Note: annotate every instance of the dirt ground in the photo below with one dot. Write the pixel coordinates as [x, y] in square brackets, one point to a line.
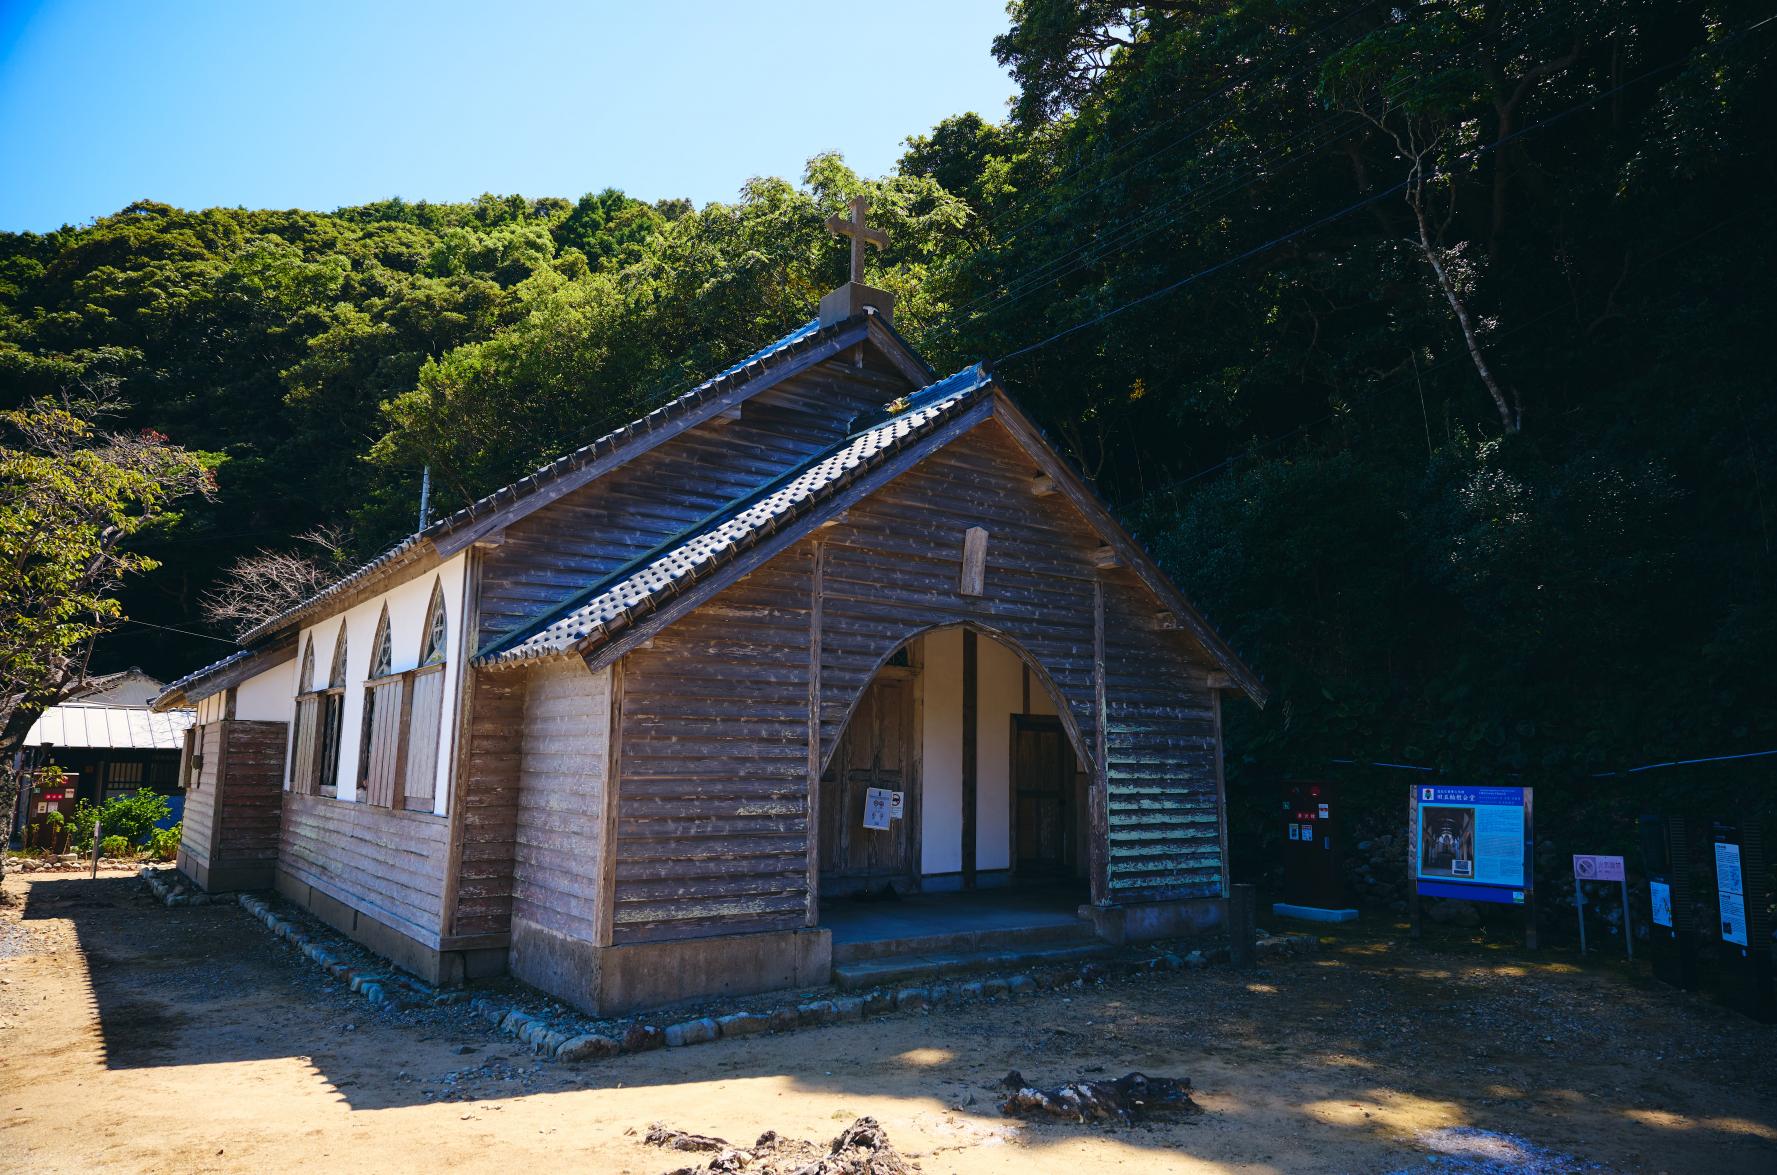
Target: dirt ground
[139, 1038]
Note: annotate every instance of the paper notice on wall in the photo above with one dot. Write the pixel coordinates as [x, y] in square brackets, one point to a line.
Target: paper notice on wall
[1661, 895]
[876, 808]
[897, 805]
[1730, 893]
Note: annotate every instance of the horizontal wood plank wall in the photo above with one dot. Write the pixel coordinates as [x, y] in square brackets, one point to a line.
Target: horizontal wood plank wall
[488, 798]
[712, 810]
[558, 871]
[712, 804]
[1160, 739]
[198, 824]
[894, 563]
[385, 863]
[252, 795]
[588, 534]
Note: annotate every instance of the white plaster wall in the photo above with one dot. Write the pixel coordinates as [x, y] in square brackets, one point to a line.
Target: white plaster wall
[268, 696]
[941, 758]
[209, 709]
[1000, 685]
[406, 602]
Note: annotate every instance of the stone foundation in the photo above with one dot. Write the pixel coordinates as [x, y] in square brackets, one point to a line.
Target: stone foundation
[1145, 921]
[452, 962]
[652, 974]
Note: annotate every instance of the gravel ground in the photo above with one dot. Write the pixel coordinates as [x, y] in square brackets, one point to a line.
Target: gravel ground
[138, 1037]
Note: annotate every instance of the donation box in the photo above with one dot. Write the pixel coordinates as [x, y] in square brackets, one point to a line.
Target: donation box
[1313, 877]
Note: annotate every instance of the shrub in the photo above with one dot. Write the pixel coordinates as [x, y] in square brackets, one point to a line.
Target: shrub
[114, 846]
[164, 844]
[132, 817]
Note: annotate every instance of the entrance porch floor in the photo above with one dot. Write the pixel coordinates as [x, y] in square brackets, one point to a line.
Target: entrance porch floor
[955, 933]
[925, 915]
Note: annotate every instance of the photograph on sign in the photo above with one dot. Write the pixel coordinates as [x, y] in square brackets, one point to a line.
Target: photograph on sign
[1447, 842]
[1470, 843]
[876, 809]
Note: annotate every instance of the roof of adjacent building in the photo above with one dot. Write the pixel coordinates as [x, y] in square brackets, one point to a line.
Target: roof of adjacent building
[634, 591]
[83, 725]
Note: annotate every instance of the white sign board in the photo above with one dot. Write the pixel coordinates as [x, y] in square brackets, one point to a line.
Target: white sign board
[876, 808]
[1660, 894]
[1731, 892]
[897, 804]
[1591, 867]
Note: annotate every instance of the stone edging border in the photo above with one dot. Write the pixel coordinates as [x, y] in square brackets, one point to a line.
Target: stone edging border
[390, 988]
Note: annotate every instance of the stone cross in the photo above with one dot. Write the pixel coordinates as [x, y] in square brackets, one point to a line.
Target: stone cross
[860, 234]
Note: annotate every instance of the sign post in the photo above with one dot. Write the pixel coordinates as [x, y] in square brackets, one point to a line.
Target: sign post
[1592, 867]
[1474, 844]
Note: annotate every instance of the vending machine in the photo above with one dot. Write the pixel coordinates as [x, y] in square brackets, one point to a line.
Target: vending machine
[1313, 869]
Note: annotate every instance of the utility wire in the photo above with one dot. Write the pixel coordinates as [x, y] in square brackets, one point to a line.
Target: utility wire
[1357, 205]
[183, 632]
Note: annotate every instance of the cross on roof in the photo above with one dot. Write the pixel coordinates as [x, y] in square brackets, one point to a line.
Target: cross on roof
[860, 234]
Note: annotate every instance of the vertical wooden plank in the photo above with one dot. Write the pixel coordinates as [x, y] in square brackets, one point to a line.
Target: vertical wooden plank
[916, 786]
[974, 576]
[812, 916]
[605, 919]
[971, 755]
[1099, 805]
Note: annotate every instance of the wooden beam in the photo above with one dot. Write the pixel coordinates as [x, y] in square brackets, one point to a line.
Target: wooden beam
[971, 754]
[1219, 681]
[904, 360]
[1165, 621]
[490, 540]
[1042, 485]
[727, 416]
[1106, 558]
[974, 577]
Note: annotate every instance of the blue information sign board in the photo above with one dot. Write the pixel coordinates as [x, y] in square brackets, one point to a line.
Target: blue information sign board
[1471, 843]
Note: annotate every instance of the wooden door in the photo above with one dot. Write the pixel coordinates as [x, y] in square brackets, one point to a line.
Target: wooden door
[876, 750]
[1045, 818]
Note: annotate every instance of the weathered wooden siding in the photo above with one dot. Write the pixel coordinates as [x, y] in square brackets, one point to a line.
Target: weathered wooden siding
[712, 815]
[487, 804]
[714, 770]
[384, 862]
[425, 716]
[198, 824]
[252, 793]
[1160, 742]
[590, 533]
[558, 872]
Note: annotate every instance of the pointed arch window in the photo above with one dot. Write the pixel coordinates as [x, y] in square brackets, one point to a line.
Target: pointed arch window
[432, 647]
[379, 742]
[303, 736]
[425, 710]
[325, 778]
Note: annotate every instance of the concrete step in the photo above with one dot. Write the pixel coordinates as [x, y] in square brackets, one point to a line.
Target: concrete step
[967, 942]
[898, 969]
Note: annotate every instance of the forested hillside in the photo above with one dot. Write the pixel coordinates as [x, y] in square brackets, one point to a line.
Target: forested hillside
[1428, 345]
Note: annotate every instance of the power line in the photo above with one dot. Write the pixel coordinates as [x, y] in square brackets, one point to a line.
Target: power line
[183, 632]
[1357, 205]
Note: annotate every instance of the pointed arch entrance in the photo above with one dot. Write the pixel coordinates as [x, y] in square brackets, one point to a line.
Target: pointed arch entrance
[985, 782]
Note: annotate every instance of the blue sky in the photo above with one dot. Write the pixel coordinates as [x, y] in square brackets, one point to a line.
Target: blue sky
[320, 104]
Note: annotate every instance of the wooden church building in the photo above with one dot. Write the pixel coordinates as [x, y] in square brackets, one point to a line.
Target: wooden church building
[635, 726]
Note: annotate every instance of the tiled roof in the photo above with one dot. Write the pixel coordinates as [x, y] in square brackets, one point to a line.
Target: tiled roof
[809, 334]
[641, 587]
[134, 728]
[196, 675]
